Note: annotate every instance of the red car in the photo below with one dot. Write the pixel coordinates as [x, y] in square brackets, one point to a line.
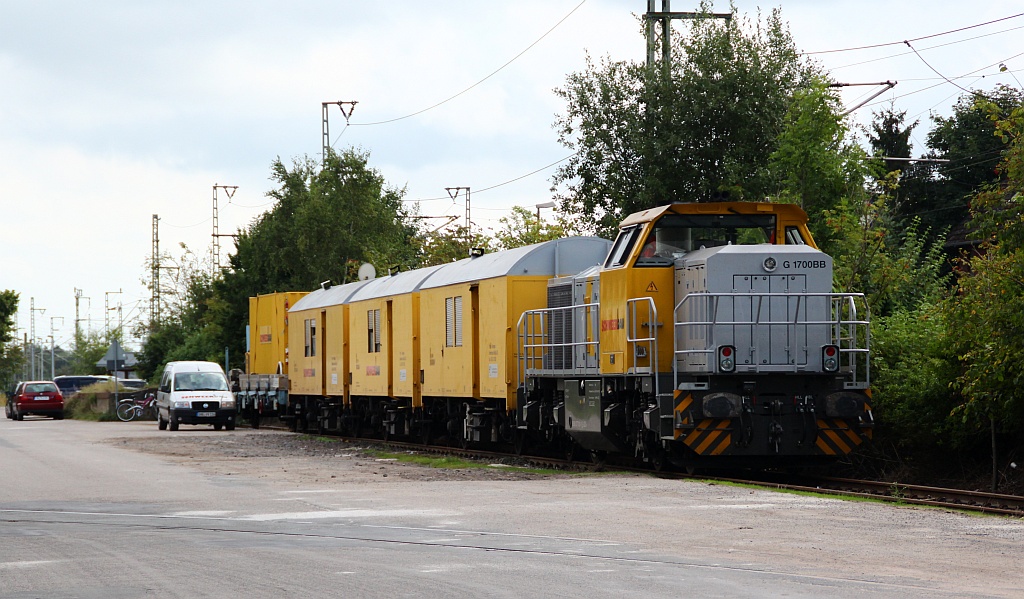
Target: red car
[36, 397]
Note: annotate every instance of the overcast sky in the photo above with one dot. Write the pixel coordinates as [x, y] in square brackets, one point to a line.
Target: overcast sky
[112, 111]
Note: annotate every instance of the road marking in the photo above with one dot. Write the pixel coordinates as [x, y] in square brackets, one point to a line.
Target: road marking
[20, 565]
[203, 514]
[353, 513]
[314, 491]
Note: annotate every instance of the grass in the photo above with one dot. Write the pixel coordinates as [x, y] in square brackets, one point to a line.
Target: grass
[452, 462]
[432, 461]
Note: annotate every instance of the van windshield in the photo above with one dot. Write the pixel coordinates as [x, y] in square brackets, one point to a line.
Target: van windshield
[200, 381]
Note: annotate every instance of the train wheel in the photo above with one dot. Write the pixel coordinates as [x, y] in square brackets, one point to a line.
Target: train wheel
[519, 441]
[598, 459]
[659, 459]
[569, 449]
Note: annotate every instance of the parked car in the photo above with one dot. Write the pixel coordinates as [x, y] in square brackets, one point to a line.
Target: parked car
[37, 397]
[195, 393]
[73, 383]
[134, 384]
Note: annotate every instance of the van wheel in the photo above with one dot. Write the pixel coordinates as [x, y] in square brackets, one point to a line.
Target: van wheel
[173, 425]
[218, 426]
[160, 422]
[230, 426]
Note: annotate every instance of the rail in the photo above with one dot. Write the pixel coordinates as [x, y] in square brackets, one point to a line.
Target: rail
[772, 332]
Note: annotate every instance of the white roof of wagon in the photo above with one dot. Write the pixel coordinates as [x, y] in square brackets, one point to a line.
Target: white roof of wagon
[409, 281]
[332, 296]
[551, 258]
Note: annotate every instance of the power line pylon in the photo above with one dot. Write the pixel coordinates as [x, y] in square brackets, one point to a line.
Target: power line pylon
[78, 320]
[326, 128]
[453, 192]
[665, 17]
[154, 299]
[229, 190]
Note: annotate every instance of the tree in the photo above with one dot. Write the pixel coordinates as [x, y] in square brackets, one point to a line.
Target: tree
[522, 227]
[968, 140]
[448, 245]
[699, 130]
[890, 136]
[906, 181]
[11, 358]
[186, 330]
[988, 309]
[324, 224]
[326, 220]
[813, 164]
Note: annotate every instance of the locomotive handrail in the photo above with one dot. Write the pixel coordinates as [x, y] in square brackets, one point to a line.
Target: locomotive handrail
[850, 333]
[651, 339]
[534, 343]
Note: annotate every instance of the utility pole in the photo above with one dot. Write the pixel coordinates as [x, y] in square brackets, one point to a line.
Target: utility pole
[453, 192]
[154, 277]
[326, 129]
[107, 309]
[665, 17]
[53, 333]
[33, 310]
[229, 190]
[78, 326]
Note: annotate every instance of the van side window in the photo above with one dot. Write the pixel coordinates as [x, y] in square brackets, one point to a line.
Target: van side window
[165, 383]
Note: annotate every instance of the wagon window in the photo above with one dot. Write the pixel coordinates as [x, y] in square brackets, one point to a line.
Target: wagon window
[310, 337]
[453, 321]
[373, 331]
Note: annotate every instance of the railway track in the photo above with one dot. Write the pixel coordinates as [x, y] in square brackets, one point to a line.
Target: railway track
[902, 494]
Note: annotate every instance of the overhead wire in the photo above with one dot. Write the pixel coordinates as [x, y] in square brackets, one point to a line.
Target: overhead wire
[968, 74]
[493, 73]
[534, 172]
[967, 39]
[916, 39]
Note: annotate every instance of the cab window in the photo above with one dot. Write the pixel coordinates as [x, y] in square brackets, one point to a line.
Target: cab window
[793, 236]
[623, 245]
[674, 235]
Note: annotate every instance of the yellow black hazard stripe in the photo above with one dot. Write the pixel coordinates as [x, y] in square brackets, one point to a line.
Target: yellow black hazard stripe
[836, 437]
[710, 436]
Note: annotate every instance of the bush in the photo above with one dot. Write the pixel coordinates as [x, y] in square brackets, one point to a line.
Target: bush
[95, 402]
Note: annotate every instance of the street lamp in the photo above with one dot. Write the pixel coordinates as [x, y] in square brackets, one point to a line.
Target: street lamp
[544, 205]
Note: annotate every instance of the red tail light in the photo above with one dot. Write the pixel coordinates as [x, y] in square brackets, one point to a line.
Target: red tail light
[830, 358]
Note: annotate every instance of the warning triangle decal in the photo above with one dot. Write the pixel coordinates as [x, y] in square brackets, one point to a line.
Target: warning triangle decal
[652, 287]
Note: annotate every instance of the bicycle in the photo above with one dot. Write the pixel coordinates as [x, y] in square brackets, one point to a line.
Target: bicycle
[130, 409]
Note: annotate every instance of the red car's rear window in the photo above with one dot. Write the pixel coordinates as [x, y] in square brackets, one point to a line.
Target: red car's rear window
[40, 388]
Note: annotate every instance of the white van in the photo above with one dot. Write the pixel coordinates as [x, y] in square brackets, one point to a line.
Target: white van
[195, 393]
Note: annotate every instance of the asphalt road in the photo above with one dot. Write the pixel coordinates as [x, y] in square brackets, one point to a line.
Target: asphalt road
[81, 516]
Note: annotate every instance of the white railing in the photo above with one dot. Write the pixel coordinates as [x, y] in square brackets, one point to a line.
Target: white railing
[773, 332]
[559, 341]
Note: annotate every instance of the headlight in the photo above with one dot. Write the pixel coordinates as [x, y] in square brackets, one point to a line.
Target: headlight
[181, 404]
[228, 404]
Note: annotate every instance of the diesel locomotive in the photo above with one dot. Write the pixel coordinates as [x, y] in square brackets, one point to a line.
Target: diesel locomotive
[704, 335]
